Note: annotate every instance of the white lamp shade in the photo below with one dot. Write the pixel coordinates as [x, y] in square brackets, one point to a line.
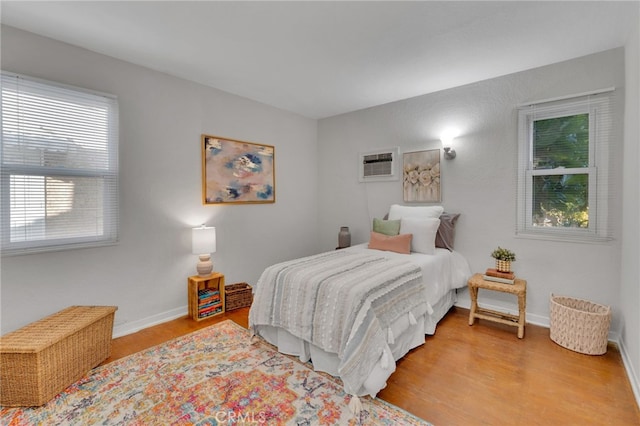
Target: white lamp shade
[203, 240]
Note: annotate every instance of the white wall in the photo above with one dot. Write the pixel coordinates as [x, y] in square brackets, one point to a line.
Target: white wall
[630, 287]
[480, 182]
[161, 120]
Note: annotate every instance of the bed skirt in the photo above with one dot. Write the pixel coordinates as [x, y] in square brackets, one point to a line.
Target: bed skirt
[440, 309]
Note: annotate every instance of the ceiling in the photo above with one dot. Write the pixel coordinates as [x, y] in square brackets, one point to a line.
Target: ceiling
[320, 59]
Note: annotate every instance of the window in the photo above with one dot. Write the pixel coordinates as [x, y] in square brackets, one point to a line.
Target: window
[59, 157]
[563, 173]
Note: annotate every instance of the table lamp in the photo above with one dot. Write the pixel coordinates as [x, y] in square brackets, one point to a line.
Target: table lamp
[203, 240]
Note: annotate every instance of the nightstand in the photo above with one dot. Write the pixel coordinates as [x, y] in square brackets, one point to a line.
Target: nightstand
[206, 296]
[518, 288]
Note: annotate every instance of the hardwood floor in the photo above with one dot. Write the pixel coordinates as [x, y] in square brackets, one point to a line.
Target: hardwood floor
[479, 375]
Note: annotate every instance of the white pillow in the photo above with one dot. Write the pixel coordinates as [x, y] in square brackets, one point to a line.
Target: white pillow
[424, 233]
[396, 211]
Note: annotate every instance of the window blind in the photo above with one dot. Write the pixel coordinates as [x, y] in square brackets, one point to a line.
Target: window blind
[59, 157]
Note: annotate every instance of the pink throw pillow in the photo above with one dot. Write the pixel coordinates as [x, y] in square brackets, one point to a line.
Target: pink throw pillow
[398, 243]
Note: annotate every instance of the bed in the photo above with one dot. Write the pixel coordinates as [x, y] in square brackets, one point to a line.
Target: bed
[354, 312]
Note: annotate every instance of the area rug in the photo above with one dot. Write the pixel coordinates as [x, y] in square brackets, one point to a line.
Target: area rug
[214, 376]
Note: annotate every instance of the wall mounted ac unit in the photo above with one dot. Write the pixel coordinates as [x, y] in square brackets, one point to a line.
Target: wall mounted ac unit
[379, 165]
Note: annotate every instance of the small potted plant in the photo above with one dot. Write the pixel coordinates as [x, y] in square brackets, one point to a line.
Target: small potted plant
[503, 258]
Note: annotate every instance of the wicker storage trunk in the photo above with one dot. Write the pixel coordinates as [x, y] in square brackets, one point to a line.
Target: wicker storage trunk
[579, 325]
[237, 296]
[41, 359]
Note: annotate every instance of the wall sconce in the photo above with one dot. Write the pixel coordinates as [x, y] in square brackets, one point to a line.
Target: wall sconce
[447, 138]
[203, 243]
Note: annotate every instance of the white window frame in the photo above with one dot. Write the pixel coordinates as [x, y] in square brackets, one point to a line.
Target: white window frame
[600, 131]
[107, 173]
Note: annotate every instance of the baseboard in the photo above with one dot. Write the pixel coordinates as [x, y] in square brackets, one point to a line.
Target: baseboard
[534, 319]
[631, 373]
[134, 326]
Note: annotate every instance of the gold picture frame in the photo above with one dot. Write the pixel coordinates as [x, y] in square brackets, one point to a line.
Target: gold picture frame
[237, 172]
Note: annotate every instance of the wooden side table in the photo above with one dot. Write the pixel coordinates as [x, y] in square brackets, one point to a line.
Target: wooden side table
[519, 288]
[203, 301]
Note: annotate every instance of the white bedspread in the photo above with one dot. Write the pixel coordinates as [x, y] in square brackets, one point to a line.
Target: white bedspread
[441, 272]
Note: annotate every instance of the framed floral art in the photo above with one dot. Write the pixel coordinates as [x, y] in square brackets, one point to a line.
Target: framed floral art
[421, 176]
[235, 171]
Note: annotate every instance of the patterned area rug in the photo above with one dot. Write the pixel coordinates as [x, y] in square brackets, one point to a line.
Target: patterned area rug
[214, 376]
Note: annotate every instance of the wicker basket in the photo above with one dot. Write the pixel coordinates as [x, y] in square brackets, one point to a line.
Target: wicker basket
[237, 296]
[579, 325]
[41, 359]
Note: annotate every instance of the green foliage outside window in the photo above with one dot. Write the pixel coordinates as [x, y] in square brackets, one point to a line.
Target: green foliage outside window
[561, 200]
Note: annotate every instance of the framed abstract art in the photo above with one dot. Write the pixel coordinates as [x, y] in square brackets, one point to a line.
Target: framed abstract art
[421, 176]
[237, 172]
